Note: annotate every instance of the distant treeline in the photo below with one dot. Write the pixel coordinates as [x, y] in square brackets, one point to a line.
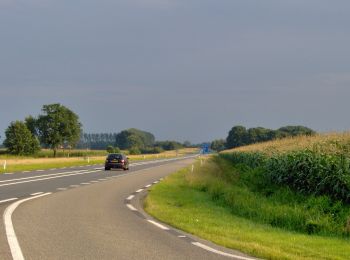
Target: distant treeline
[132, 139]
[240, 136]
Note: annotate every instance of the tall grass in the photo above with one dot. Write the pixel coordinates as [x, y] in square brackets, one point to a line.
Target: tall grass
[249, 194]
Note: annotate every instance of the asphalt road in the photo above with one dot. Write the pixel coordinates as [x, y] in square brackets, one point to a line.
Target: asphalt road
[87, 213]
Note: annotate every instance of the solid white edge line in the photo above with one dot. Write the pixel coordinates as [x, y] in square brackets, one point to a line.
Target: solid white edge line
[61, 189]
[139, 190]
[85, 183]
[37, 193]
[12, 240]
[210, 249]
[149, 185]
[130, 197]
[157, 224]
[131, 207]
[7, 200]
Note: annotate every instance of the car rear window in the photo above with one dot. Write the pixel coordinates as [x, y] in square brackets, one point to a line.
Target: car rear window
[115, 156]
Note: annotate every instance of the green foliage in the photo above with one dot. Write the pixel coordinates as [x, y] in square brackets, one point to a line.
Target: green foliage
[132, 137]
[218, 145]
[58, 126]
[236, 137]
[249, 194]
[168, 145]
[19, 140]
[134, 151]
[111, 149]
[239, 135]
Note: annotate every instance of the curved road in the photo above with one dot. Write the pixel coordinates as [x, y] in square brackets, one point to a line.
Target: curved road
[97, 220]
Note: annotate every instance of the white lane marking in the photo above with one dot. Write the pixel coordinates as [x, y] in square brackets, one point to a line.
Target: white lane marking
[40, 176]
[25, 171]
[61, 188]
[102, 179]
[149, 185]
[74, 186]
[94, 181]
[7, 200]
[155, 182]
[10, 231]
[181, 236]
[37, 193]
[130, 197]
[131, 207]
[158, 225]
[138, 191]
[210, 249]
[42, 179]
[53, 169]
[39, 170]
[85, 183]
[8, 173]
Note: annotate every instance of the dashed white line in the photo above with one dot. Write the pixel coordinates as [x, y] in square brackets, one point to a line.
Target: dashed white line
[102, 179]
[37, 193]
[155, 182]
[138, 191]
[149, 185]
[85, 183]
[158, 225]
[181, 236]
[130, 197]
[62, 189]
[39, 170]
[210, 249]
[16, 251]
[7, 200]
[131, 207]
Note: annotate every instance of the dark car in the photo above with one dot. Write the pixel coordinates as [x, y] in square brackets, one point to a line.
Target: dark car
[116, 160]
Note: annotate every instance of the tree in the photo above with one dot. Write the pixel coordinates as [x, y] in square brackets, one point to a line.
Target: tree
[218, 145]
[19, 140]
[134, 138]
[31, 124]
[58, 126]
[236, 137]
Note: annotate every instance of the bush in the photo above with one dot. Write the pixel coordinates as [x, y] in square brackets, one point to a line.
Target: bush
[134, 151]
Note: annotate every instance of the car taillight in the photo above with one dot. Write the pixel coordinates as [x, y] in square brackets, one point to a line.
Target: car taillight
[122, 161]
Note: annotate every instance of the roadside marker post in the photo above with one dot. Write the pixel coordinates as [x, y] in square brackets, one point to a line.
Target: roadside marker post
[5, 164]
[192, 168]
[88, 160]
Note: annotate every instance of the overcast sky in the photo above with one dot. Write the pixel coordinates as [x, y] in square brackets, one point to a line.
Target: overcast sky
[181, 69]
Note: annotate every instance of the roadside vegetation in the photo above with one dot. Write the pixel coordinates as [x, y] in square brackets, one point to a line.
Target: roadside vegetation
[77, 158]
[283, 199]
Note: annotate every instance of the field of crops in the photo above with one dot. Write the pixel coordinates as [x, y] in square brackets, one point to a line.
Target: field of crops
[317, 168]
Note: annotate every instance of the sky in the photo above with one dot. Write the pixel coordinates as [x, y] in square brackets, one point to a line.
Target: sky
[181, 69]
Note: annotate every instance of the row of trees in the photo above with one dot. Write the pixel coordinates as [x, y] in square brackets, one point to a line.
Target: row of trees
[56, 127]
[134, 140]
[240, 136]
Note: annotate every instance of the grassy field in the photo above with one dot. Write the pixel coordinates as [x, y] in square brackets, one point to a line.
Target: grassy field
[331, 143]
[16, 164]
[209, 202]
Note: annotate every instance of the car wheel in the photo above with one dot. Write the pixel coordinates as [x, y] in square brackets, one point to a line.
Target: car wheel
[107, 169]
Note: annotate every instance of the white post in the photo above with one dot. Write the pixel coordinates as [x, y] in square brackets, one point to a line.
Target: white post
[157, 155]
[88, 159]
[192, 168]
[144, 157]
[5, 164]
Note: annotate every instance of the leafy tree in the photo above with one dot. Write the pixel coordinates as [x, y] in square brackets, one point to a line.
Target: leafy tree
[236, 137]
[31, 124]
[19, 140]
[58, 126]
[218, 145]
[295, 130]
[132, 137]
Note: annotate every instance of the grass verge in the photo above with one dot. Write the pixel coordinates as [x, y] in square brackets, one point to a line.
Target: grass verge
[187, 201]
